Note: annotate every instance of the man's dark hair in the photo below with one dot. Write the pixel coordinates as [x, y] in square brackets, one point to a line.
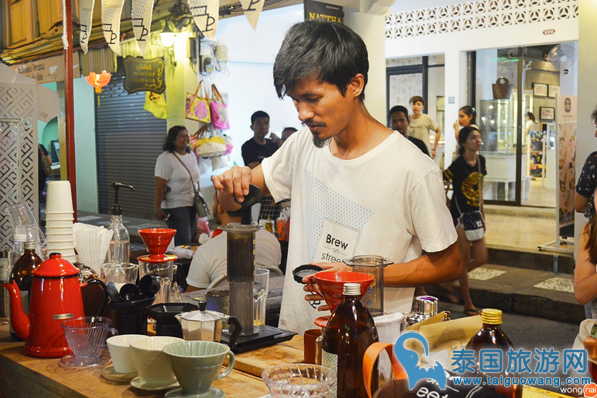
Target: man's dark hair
[417, 98]
[258, 114]
[399, 108]
[329, 51]
[294, 130]
[594, 115]
[171, 137]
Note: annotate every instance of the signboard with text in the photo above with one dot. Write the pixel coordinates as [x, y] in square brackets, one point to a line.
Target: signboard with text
[327, 12]
[144, 75]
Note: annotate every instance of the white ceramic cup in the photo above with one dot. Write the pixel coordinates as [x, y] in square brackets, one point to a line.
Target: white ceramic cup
[59, 197]
[151, 363]
[120, 351]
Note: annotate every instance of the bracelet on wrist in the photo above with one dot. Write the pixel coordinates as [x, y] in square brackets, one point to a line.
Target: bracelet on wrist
[157, 211]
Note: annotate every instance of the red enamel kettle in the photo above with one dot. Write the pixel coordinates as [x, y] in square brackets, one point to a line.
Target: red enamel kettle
[55, 297]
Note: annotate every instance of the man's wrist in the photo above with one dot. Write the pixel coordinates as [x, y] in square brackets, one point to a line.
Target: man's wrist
[157, 211]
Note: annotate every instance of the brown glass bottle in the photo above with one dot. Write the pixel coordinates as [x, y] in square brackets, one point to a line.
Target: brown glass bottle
[349, 332]
[491, 336]
[22, 274]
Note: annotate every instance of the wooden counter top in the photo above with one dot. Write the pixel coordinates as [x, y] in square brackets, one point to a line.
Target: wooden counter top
[25, 376]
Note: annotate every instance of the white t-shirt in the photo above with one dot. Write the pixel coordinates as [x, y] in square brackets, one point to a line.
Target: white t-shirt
[419, 128]
[388, 202]
[181, 191]
[210, 259]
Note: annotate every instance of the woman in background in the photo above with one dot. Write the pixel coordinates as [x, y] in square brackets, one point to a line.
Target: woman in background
[466, 117]
[176, 179]
[466, 174]
[585, 275]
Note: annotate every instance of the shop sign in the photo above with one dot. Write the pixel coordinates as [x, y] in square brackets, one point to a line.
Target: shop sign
[327, 12]
[144, 75]
[48, 70]
[549, 31]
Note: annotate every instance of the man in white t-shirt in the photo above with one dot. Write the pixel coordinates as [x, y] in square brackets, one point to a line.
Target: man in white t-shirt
[420, 124]
[356, 186]
[210, 260]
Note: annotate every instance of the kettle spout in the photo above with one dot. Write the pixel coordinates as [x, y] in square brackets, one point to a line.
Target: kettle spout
[19, 320]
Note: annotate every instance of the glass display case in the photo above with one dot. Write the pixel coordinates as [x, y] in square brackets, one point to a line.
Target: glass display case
[497, 124]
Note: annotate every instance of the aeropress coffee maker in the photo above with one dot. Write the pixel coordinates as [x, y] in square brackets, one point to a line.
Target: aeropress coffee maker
[241, 272]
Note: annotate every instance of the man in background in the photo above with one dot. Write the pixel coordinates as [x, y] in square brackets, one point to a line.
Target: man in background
[258, 148]
[420, 124]
[210, 260]
[399, 122]
[287, 132]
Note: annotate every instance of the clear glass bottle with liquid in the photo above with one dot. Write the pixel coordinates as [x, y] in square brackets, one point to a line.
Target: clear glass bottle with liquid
[120, 245]
[348, 333]
[22, 274]
[491, 336]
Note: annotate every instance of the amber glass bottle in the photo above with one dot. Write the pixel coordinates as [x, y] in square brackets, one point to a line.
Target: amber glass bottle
[349, 332]
[22, 274]
[491, 336]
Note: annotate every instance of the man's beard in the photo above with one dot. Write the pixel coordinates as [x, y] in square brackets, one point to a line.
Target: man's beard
[319, 142]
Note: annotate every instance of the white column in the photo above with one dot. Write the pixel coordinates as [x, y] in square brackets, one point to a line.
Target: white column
[587, 59]
[371, 28]
[455, 86]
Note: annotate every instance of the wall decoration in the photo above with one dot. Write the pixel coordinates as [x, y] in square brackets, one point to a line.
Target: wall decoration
[477, 15]
[547, 113]
[539, 90]
[553, 91]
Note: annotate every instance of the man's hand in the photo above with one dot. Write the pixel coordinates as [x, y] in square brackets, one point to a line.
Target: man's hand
[327, 267]
[234, 183]
[275, 139]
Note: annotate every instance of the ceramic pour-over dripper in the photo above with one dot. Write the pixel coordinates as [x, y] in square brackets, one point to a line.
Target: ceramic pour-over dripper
[157, 239]
[331, 283]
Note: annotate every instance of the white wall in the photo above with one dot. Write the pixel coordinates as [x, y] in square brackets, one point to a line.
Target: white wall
[248, 83]
[85, 148]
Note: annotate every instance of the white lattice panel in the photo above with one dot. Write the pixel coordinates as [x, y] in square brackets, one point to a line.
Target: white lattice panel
[481, 14]
[18, 151]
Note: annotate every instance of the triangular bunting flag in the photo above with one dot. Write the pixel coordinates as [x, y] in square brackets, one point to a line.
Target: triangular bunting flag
[111, 11]
[86, 23]
[252, 10]
[141, 15]
[205, 14]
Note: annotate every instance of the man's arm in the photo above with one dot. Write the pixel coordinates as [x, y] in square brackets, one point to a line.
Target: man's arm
[436, 267]
[233, 185]
[438, 134]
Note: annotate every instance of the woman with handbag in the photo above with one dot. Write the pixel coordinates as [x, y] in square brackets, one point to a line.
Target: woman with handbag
[466, 207]
[177, 185]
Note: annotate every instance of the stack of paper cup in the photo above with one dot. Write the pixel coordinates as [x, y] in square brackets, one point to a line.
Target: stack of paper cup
[59, 220]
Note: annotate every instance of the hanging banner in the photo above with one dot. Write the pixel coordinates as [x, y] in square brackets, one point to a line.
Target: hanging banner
[86, 7]
[327, 12]
[566, 151]
[111, 11]
[141, 16]
[205, 13]
[252, 10]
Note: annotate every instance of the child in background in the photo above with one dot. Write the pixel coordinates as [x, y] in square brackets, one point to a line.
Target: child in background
[420, 124]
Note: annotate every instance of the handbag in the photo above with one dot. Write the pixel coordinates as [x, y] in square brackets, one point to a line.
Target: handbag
[197, 106]
[208, 143]
[218, 109]
[198, 201]
[472, 221]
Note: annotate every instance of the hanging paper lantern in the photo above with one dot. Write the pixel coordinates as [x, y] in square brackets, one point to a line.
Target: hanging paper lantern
[98, 80]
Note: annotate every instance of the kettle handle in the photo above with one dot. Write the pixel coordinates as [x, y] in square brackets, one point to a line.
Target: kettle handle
[237, 329]
[105, 289]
